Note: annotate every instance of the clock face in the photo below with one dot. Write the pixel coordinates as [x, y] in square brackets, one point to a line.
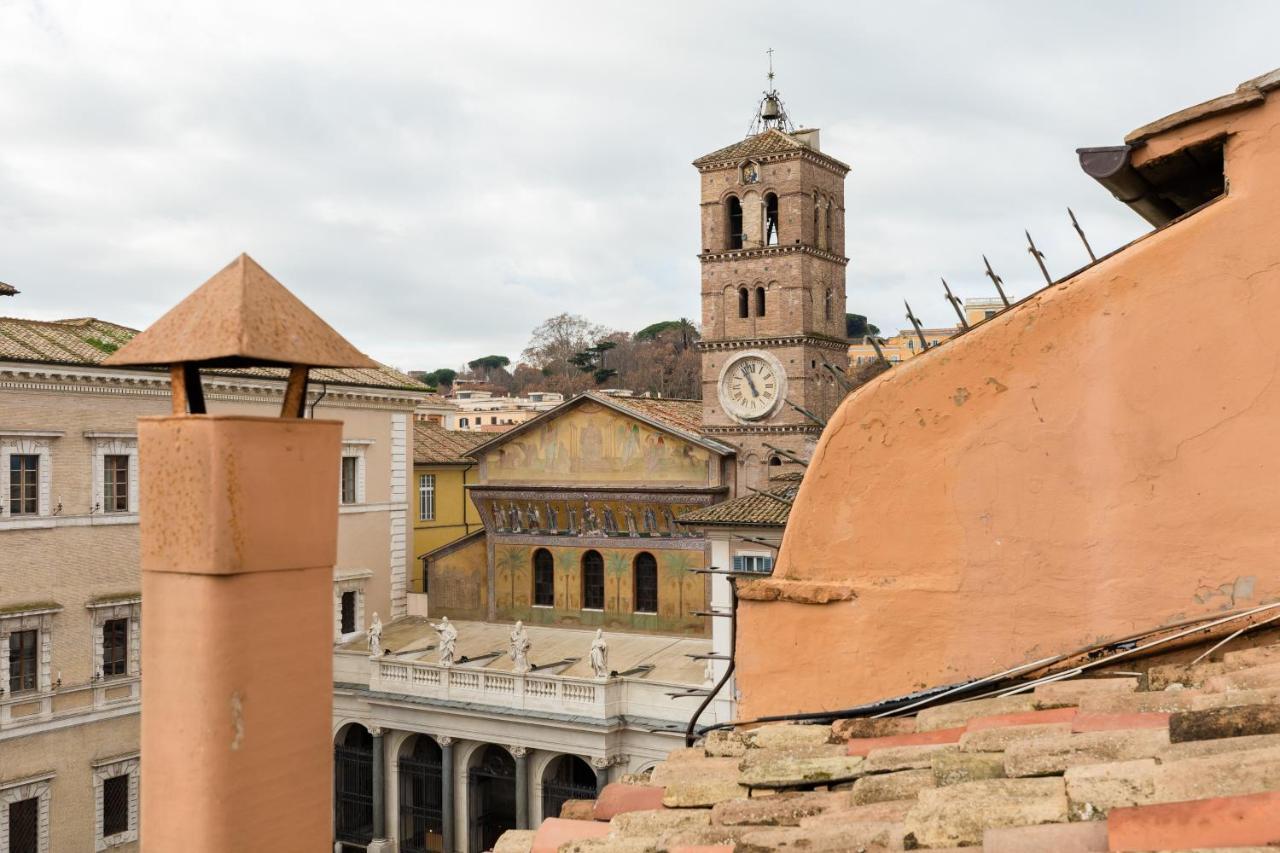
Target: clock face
[751, 387]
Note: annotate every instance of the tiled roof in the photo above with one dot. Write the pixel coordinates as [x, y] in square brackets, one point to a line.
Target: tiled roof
[1175, 756]
[750, 509]
[87, 341]
[436, 401]
[770, 141]
[433, 444]
[681, 414]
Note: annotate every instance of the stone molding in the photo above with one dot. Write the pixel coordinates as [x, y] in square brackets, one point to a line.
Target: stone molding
[401, 466]
[26, 789]
[29, 445]
[113, 445]
[108, 769]
[812, 340]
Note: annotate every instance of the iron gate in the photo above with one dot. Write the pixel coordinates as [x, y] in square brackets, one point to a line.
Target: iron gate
[493, 798]
[556, 792]
[421, 801]
[353, 794]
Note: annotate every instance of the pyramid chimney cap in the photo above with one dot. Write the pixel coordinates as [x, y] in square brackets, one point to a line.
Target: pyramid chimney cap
[241, 317]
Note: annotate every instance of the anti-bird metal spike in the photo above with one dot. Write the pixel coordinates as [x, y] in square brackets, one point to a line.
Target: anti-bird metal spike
[997, 281]
[841, 378]
[808, 414]
[955, 303]
[875, 345]
[1039, 256]
[1083, 239]
[924, 345]
[788, 454]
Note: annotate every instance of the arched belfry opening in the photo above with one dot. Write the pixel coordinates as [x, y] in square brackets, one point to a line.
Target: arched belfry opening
[744, 303]
[759, 301]
[733, 209]
[771, 219]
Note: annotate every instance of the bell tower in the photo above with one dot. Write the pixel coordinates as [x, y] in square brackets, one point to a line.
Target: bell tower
[773, 291]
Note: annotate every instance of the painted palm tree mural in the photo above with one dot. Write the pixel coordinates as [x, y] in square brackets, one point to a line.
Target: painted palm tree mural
[617, 567]
[676, 565]
[511, 560]
[566, 561]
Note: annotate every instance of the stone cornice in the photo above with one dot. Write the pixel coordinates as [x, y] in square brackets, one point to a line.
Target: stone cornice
[816, 157]
[762, 429]
[20, 376]
[813, 339]
[766, 251]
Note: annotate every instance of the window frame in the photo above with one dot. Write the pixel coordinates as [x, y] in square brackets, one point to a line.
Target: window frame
[549, 585]
[26, 653]
[349, 581]
[128, 608]
[635, 584]
[583, 571]
[114, 444]
[766, 561]
[23, 484]
[426, 497]
[112, 768]
[31, 788]
[115, 647]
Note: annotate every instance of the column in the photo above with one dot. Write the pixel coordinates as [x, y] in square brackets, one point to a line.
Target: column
[379, 786]
[601, 766]
[446, 791]
[521, 755]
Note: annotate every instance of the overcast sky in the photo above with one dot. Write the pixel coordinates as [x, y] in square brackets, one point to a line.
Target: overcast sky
[436, 178]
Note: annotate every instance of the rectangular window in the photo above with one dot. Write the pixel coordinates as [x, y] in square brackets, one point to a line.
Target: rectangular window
[22, 661]
[24, 484]
[753, 563]
[115, 483]
[115, 806]
[350, 469]
[427, 497]
[24, 826]
[115, 648]
[349, 612]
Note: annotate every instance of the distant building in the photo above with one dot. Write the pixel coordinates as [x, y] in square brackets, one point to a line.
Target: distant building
[906, 343]
[70, 590]
[434, 409]
[439, 505]
[481, 411]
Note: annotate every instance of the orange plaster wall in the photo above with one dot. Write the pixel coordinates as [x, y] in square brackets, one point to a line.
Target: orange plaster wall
[1100, 460]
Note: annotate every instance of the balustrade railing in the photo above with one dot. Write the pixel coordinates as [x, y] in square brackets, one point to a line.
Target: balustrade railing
[583, 696]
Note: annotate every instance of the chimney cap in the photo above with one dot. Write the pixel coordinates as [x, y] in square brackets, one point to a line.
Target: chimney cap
[241, 317]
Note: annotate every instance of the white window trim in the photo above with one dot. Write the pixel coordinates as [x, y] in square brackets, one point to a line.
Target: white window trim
[41, 621]
[22, 445]
[105, 445]
[102, 771]
[349, 582]
[25, 789]
[423, 492]
[354, 448]
[766, 555]
[131, 609]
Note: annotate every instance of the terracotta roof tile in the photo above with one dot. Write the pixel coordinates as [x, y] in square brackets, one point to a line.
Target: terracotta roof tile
[770, 141]
[682, 414]
[87, 342]
[435, 445]
[753, 509]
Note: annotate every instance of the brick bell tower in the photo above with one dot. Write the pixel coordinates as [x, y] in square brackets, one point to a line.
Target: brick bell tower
[773, 298]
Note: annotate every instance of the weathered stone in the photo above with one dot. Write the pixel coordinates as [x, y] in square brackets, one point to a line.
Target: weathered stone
[1224, 775]
[724, 743]
[515, 841]
[554, 832]
[1234, 698]
[906, 757]
[1072, 691]
[790, 771]
[877, 727]
[685, 770]
[1201, 748]
[819, 839]
[610, 844]
[1252, 657]
[998, 739]
[757, 757]
[701, 794]
[960, 713]
[653, 822]
[1186, 674]
[617, 799]
[957, 815]
[1056, 754]
[886, 787]
[577, 810]
[952, 768]
[1215, 723]
[782, 810]
[1047, 838]
[1216, 822]
[1251, 678]
[1093, 790]
[1023, 718]
[892, 811]
[1119, 722]
[1160, 701]
[702, 836]
[786, 736]
[865, 745]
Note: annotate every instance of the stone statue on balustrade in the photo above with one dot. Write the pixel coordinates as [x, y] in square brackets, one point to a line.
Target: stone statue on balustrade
[600, 655]
[375, 637]
[520, 649]
[448, 644]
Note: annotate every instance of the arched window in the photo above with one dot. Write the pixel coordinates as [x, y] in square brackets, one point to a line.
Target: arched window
[735, 222]
[771, 219]
[831, 215]
[759, 301]
[462, 422]
[645, 570]
[775, 461]
[592, 581]
[744, 302]
[817, 227]
[544, 578]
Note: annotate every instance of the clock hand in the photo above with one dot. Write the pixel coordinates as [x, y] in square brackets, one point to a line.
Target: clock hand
[750, 382]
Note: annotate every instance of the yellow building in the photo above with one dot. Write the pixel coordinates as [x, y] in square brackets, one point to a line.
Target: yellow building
[438, 502]
[906, 343]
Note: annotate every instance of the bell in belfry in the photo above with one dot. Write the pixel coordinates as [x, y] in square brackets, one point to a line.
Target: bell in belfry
[770, 110]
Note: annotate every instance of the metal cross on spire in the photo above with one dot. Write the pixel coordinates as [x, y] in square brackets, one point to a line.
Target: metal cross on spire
[770, 112]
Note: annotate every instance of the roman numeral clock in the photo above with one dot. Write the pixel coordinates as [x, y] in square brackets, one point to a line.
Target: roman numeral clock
[752, 385]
